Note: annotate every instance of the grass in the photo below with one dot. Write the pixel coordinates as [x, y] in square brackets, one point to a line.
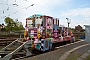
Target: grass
[88, 58]
[73, 56]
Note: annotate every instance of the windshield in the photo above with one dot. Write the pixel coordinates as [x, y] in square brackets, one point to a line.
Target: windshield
[29, 23]
[38, 21]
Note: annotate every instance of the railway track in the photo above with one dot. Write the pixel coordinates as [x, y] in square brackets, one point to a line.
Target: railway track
[59, 50]
[5, 41]
[21, 55]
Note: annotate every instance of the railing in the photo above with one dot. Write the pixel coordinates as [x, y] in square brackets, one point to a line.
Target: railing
[79, 35]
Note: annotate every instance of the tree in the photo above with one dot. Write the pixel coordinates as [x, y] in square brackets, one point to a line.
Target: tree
[12, 25]
[9, 24]
[19, 25]
[8, 21]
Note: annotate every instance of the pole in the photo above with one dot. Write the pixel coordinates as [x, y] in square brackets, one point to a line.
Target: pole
[68, 21]
[68, 25]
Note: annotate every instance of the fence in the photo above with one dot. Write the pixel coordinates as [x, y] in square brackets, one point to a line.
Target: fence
[79, 35]
[12, 34]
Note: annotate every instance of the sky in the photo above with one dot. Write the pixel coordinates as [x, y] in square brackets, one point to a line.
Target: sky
[77, 11]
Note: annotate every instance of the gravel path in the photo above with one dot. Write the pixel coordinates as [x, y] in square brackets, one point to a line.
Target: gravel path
[83, 49]
[81, 52]
[54, 55]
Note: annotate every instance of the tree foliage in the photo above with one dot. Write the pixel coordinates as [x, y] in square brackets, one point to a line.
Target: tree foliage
[12, 25]
[8, 20]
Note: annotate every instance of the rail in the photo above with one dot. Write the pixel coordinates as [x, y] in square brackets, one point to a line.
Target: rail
[26, 45]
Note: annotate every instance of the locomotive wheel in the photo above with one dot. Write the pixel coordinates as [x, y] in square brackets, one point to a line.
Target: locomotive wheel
[52, 48]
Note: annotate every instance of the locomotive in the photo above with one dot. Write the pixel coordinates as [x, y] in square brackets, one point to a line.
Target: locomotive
[43, 33]
[46, 32]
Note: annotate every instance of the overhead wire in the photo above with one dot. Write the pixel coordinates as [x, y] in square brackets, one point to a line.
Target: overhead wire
[7, 9]
[26, 8]
[6, 3]
[15, 4]
[34, 4]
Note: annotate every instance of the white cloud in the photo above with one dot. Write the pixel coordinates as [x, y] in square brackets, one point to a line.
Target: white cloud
[79, 16]
[85, 12]
[40, 6]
